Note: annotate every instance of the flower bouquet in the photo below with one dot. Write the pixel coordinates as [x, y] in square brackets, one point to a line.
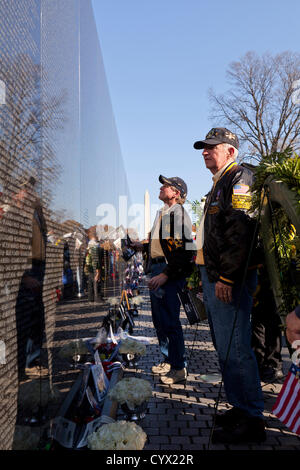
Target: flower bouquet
[131, 351]
[132, 394]
[74, 350]
[113, 301]
[132, 346]
[137, 301]
[121, 435]
[25, 438]
[34, 398]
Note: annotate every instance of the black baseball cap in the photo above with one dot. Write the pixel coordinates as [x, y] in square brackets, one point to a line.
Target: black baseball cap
[175, 181]
[218, 135]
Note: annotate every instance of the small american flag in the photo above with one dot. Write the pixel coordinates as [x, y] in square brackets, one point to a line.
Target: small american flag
[240, 189]
[287, 406]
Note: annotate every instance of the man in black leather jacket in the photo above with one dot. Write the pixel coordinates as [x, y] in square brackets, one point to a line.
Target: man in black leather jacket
[224, 243]
[229, 226]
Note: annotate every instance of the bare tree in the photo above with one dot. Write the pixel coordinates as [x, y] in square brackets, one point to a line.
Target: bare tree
[260, 105]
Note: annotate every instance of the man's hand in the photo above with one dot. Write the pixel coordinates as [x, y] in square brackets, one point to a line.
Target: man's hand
[97, 275]
[292, 327]
[223, 292]
[157, 281]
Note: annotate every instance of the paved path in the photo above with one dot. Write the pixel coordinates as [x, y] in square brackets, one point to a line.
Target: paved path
[179, 417]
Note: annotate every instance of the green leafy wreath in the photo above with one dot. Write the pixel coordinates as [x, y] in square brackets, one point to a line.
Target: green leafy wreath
[281, 172]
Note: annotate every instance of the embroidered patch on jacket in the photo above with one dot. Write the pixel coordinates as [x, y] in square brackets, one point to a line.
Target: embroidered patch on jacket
[213, 209]
[241, 198]
[178, 243]
[174, 244]
[241, 201]
[240, 189]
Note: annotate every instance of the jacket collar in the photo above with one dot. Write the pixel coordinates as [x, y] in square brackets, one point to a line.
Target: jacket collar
[223, 170]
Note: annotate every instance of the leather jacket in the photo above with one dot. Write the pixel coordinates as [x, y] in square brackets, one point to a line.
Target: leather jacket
[228, 227]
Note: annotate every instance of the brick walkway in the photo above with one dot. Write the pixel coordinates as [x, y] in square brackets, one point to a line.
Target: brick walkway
[179, 417]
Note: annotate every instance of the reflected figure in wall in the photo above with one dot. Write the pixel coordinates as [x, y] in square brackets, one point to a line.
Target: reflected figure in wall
[67, 277]
[30, 314]
[93, 265]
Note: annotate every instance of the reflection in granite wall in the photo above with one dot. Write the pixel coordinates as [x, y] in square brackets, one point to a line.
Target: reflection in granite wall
[59, 159]
[102, 165]
[20, 150]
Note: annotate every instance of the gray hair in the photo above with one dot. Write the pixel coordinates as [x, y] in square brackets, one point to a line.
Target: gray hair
[236, 152]
[180, 199]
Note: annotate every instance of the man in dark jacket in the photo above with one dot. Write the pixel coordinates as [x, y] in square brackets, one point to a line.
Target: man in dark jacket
[224, 242]
[170, 255]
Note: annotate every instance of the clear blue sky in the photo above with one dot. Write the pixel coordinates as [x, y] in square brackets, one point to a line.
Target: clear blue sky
[161, 57]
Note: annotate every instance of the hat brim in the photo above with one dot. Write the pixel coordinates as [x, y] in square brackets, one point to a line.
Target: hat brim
[200, 144]
[164, 180]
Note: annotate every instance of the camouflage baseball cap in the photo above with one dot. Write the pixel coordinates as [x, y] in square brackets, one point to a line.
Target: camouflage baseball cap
[175, 181]
[218, 135]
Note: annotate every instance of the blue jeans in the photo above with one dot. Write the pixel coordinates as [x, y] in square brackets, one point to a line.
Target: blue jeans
[240, 376]
[165, 317]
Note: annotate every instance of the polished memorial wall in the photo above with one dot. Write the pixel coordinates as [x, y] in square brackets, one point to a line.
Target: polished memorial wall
[60, 161]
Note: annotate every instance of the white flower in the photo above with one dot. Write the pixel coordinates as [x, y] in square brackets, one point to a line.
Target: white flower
[69, 350]
[131, 346]
[138, 300]
[131, 391]
[25, 438]
[37, 393]
[121, 435]
[113, 301]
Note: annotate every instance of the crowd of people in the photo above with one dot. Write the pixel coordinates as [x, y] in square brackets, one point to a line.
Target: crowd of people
[100, 264]
[225, 255]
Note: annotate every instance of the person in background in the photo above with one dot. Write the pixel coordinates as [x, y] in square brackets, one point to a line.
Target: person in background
[266, 329]
[293, 325]
[93, 265]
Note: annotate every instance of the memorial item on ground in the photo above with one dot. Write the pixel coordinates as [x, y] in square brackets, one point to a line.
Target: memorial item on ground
[131, 346]
[121, 435]
[73, 348]
[131, 391]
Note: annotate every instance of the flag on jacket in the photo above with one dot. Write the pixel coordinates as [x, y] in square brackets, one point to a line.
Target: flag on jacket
[287, 406]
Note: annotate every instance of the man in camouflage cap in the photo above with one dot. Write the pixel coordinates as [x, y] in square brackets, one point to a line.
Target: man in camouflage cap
[224, 240]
